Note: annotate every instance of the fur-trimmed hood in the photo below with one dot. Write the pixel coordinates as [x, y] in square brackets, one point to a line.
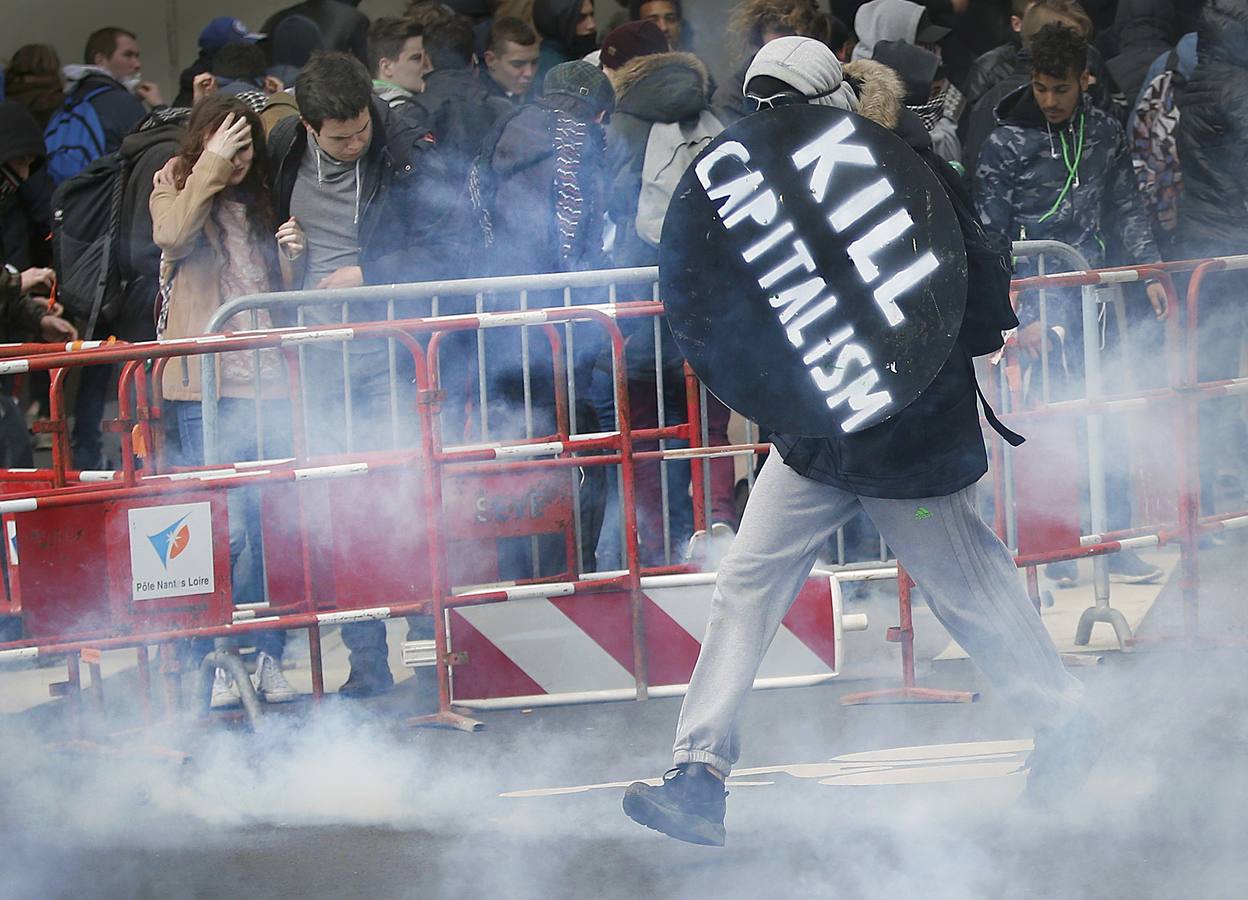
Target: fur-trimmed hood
[662, 87]
[880, 91]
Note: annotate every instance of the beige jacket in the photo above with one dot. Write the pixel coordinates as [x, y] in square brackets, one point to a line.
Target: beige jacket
[191, 254]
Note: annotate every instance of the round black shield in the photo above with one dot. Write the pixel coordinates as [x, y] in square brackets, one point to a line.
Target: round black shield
[813, 270]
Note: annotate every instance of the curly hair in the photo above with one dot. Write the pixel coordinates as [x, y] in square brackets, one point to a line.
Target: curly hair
[1059, 52]
[753, 18]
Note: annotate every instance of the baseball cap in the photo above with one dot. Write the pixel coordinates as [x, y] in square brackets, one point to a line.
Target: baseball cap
[930, 33]
[225, 30]
[581, 79]
[631, 40]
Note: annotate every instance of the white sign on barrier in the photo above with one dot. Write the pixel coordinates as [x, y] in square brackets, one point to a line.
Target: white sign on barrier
[171, 551]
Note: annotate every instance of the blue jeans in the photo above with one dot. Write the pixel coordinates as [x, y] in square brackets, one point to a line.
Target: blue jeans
[236, 441]
[370, 427]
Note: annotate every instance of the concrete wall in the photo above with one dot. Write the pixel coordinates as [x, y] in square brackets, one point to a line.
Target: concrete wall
[168, 29]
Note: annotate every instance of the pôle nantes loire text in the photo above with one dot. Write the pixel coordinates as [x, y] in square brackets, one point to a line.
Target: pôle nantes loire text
[170, 584]
[800, 297]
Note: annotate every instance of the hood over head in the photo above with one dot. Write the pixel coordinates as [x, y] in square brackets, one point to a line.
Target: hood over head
[1223, 32]
[662, 87]
[893, 20]
[808, 66]
[557, 19]
[916, 66]
[20, 134]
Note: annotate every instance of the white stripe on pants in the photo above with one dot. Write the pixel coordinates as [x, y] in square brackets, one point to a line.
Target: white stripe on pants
[966, 573]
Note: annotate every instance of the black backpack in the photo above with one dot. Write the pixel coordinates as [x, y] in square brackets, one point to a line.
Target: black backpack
[92, 248]
[86, 227]
[989, 268]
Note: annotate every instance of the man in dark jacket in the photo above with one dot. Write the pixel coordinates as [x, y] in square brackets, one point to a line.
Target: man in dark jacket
[919, 491]
[539, 191]
[352, 173]
[343, 27]
[218, 33]
[110, 72]
[24, 287]
[1057, 168]
[455, 107]
[1213, 212]
[568, 32]
[1006, 69]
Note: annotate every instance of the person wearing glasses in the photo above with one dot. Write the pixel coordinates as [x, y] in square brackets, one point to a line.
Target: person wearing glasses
[919, 492]
[362, 181]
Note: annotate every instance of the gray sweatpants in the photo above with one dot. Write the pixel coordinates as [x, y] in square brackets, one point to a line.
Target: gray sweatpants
[966, 573]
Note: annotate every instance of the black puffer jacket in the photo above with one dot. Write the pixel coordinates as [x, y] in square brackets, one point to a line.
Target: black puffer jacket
[1145, 29]
[1213, 135]
[934, 446]
[342, 26]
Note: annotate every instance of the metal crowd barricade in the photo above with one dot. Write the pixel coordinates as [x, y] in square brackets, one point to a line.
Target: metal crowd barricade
[55, 499]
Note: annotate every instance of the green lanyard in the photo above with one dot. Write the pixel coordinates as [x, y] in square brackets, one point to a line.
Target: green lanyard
[1072, 170]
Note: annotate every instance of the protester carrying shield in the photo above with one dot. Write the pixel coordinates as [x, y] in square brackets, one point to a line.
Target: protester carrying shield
[913, 473]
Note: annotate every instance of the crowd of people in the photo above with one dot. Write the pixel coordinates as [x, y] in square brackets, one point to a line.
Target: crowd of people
[502, 138]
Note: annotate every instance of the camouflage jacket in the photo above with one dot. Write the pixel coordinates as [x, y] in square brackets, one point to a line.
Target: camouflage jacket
[1021, 179]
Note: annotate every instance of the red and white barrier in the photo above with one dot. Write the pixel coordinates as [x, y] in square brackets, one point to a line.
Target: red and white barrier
[578, 648]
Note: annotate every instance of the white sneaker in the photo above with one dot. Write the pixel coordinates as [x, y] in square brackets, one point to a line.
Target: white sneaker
[224, 691]
[269, 681]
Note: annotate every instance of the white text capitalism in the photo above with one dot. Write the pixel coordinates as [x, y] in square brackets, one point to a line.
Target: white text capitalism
[782, 262]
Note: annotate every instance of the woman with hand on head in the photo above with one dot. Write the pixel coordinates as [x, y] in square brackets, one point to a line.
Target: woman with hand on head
[212, 217]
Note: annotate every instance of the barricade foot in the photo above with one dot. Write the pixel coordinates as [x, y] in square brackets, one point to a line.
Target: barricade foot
[1080, 660]
[909, 695]
[1094, 614]
[446, 719]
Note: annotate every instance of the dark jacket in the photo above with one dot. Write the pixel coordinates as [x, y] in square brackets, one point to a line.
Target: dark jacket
[934, 446]
[458, 110]
[555, 22]
[342, 26]
[1213, 135]
[119, 110]
[662, 87]
[404, 195]
[146, 152]
[1022, 174]
[991, 69]
[25, 211]
[518, 169]
[979, 117]
[1145, 29]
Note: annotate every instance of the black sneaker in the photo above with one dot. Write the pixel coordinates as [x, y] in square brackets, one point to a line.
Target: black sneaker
[689, 805]
[1126, 567]
[366, 682]
[1064, 573]
[1062, 759]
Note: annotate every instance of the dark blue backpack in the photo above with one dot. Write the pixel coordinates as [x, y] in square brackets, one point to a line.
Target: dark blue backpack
[74, 136]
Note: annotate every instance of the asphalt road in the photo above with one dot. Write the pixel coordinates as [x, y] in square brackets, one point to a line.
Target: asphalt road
[342, 801]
